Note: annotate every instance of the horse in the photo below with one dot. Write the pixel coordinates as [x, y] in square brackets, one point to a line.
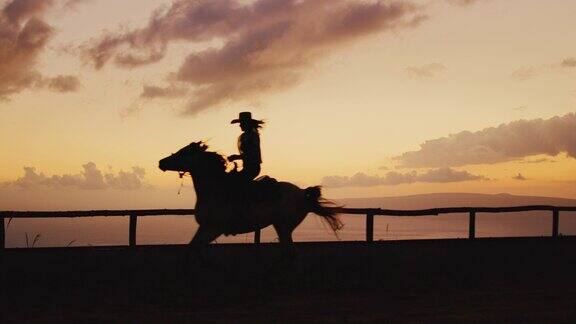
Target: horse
[217, 202]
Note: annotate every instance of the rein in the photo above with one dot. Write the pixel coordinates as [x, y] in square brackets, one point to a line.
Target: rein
[181, 175]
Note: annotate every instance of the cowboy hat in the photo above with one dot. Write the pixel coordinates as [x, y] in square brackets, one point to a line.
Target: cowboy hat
[246, 116]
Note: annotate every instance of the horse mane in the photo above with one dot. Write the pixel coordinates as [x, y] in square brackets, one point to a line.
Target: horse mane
[214, 159]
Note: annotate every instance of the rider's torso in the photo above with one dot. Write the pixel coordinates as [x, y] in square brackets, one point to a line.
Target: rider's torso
[249, 147]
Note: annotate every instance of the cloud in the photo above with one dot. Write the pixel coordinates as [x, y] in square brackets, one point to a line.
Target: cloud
[521, 108]
[17, 11]
[568, 63]
[507, 142]
[91, 178]
[23, 37]
[22, 41]
[463, 2]
[426, 71]
[152, 92]
[73, 4]
[528, 72]
[537, 161]
[520, 177]
[258, 48]
[441, 175]
[445, 175]
[63, 83]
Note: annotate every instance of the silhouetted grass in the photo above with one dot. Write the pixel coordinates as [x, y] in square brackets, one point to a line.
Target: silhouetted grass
[34, 241]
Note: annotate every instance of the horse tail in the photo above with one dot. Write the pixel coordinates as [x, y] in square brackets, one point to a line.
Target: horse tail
[319, 206]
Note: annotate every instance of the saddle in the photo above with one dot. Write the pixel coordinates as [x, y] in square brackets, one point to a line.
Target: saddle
[262, 189]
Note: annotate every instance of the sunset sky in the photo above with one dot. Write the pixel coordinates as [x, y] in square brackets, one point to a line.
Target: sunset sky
[369, 98]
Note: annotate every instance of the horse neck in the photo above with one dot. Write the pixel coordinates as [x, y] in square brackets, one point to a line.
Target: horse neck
[206, 185]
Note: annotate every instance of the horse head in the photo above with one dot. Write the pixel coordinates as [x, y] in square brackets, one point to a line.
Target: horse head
[193, 157]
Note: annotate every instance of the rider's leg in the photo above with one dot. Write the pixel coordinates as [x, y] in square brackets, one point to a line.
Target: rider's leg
[250, 172]
[247, 174]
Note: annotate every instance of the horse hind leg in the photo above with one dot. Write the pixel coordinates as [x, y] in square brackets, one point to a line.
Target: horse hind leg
[284, 232]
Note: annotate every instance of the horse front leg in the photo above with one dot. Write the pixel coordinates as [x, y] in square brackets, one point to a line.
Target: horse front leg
[204, 236]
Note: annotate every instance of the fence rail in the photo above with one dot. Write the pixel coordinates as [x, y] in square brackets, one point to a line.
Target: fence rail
[370, 213]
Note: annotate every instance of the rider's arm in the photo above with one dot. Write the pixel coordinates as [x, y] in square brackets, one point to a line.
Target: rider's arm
[235, 157]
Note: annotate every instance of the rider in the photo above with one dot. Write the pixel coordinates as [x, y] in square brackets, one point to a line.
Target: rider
[248, 146]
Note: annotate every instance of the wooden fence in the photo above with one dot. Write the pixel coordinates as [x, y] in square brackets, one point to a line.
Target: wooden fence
[369, 213]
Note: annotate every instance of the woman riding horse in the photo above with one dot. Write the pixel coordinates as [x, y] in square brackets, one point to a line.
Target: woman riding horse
[214, 206]
[248, 146]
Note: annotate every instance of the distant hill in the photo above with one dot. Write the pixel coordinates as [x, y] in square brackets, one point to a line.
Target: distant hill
[438, 200]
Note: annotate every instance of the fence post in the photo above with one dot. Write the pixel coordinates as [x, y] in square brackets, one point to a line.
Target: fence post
[370, 227]
[472, 225]
[2, 230]
[132, 233]
[257, 236]
[555, 222]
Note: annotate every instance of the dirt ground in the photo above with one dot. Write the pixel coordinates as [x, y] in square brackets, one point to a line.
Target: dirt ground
[489, 280]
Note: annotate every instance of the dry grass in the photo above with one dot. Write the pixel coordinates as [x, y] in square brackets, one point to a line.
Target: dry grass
[34, 241]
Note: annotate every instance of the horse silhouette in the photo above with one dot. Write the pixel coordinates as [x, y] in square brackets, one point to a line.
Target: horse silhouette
[222, 200]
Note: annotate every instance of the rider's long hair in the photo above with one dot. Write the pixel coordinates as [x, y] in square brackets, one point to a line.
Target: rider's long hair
[256, 125]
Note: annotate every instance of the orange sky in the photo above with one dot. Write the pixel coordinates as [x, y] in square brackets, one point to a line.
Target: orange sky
[346, 88]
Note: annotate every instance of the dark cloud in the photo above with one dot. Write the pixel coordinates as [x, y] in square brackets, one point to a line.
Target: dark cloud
[441, 175]
[520, 177]
[90, 178]
[264, 46]
[23, 37]
[22, 42]
[507, 142]
[426, 71]
[17, 11]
